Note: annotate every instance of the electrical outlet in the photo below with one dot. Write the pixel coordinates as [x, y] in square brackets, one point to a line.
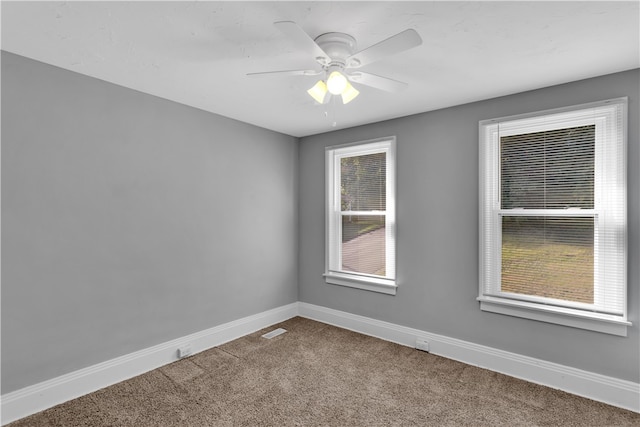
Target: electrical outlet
[184, 351]
[422, 344]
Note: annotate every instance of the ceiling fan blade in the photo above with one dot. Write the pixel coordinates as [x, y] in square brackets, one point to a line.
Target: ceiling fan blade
[378, 82]
[394, 44]
[286, 73]
[303, 40]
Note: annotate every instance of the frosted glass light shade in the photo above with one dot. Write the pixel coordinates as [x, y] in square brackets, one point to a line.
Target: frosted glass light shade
[349, 93]
[318, 92]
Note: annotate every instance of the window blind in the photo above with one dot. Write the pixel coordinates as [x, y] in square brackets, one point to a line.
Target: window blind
[548, 170]
[363, 182]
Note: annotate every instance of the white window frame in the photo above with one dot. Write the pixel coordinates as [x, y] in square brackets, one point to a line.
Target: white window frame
[610, 190]
[333, 217]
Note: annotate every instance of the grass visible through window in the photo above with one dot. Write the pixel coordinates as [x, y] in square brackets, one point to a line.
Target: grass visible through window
[547, 268]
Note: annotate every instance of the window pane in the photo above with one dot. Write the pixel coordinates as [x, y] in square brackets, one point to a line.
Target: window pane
[548, 257]
[363, 182]
[363, 244]
[548, 170]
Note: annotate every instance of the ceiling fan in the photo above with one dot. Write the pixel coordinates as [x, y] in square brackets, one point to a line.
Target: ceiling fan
[337, 56]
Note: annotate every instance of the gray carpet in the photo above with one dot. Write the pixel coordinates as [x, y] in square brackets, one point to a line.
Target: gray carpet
[320, 375]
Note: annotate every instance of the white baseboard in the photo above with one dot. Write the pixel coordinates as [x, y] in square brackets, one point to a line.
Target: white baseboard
[38, 397]
[613, 391]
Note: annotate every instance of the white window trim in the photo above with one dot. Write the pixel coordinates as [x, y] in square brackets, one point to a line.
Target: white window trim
[386, 285]
[542, 309]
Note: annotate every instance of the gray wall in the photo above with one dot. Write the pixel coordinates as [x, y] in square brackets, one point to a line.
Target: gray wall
[437, 214]
[129, 220]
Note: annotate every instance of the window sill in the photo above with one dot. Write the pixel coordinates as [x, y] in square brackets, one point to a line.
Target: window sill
[383, 286]
[605, 323]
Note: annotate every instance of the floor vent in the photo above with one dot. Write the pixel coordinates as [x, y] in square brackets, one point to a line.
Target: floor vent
[274, 333]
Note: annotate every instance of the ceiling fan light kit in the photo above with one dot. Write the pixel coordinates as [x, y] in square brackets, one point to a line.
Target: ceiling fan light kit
[336, 84]
[334, 52]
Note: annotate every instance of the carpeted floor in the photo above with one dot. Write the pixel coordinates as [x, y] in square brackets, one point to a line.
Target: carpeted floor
[320, 375]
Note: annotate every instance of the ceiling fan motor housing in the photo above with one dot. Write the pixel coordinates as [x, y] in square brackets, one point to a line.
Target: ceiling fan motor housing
[338, 46]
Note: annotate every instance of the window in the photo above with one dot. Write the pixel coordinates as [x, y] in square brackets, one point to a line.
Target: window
[553, 216]
[360, 215]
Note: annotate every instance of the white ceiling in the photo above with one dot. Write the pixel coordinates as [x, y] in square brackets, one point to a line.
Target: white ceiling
[198, 53]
